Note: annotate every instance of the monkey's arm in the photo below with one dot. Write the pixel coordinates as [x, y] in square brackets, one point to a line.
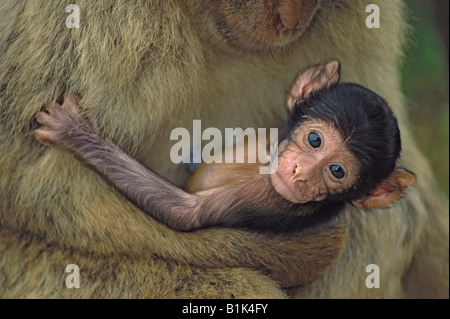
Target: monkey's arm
[65, 127]
[154, 195]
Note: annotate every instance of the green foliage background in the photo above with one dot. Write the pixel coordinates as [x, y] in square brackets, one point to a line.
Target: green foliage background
[426, 83]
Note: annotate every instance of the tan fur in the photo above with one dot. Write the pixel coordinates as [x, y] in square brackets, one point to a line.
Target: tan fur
[145, 67]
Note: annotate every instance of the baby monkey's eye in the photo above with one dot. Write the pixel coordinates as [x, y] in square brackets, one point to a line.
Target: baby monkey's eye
[314, 140]
[337, 171]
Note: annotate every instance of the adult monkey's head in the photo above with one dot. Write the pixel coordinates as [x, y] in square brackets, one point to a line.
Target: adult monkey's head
[259, 24]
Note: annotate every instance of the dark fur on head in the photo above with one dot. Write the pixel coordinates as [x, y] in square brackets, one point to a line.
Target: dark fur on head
[367, 125]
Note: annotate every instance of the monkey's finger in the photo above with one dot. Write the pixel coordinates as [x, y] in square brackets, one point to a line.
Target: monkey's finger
[44, 119]
[71, 103]
[43, 136]
[51, 106]
[71, 98]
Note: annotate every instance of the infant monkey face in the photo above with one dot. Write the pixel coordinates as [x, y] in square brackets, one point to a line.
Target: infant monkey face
[314, 163]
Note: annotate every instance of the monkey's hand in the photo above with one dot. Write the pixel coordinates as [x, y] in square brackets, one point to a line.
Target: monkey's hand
[62, 123]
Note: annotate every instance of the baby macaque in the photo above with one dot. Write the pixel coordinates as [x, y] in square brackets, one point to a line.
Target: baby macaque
[339, 145]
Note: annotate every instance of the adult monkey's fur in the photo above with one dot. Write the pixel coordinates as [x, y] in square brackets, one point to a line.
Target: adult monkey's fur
[145, 67]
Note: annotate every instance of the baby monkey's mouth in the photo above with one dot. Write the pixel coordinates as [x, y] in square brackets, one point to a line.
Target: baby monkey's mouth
[289, 191]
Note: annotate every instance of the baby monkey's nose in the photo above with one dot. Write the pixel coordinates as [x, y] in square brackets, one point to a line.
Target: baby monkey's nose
[299, 174]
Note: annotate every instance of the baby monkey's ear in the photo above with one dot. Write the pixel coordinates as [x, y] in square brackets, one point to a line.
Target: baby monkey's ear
[388, 191]
[312, 80]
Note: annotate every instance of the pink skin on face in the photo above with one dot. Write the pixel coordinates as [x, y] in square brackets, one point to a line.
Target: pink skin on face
[304, 174]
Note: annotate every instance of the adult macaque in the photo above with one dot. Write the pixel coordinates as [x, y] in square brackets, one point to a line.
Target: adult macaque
[143, 68]
[340, 144]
